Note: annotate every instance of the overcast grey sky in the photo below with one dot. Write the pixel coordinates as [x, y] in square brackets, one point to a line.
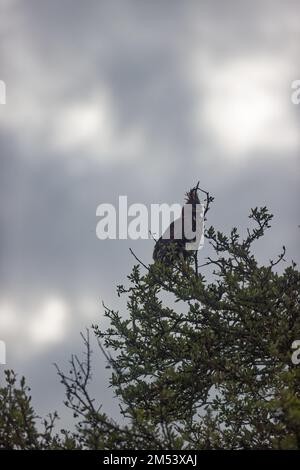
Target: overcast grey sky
[138, 98]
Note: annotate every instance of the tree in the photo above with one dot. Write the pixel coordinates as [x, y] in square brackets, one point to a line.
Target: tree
[19, 424]
[199, 364]
[199, 361]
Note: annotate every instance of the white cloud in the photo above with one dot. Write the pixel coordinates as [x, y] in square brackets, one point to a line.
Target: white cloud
[29, 326]
[39, 117]
[244, 106]
[90, 127]
[49, 324]
[8, 317]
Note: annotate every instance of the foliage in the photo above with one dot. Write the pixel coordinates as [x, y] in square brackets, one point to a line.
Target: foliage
[198, 361]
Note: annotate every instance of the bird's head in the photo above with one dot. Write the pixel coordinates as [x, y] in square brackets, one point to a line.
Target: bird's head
[191, 197]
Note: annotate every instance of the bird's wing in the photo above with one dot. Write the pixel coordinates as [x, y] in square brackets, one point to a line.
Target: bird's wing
[194, 238]
[174, 231]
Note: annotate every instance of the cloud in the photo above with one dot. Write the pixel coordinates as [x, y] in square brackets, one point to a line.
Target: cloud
[8, 317]
[49, 324]
[245, 106]
[30, 326]
[38, 117]
[63, 110]
[90, 128]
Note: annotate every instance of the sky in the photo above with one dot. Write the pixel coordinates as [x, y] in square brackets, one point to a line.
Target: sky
[135, 98]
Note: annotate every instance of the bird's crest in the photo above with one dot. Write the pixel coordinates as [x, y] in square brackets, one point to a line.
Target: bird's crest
[191, 197]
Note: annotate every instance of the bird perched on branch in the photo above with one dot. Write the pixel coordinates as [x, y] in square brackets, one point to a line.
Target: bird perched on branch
[182, 238]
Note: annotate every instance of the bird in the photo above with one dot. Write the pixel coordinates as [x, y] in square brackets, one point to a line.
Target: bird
[182, 238]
